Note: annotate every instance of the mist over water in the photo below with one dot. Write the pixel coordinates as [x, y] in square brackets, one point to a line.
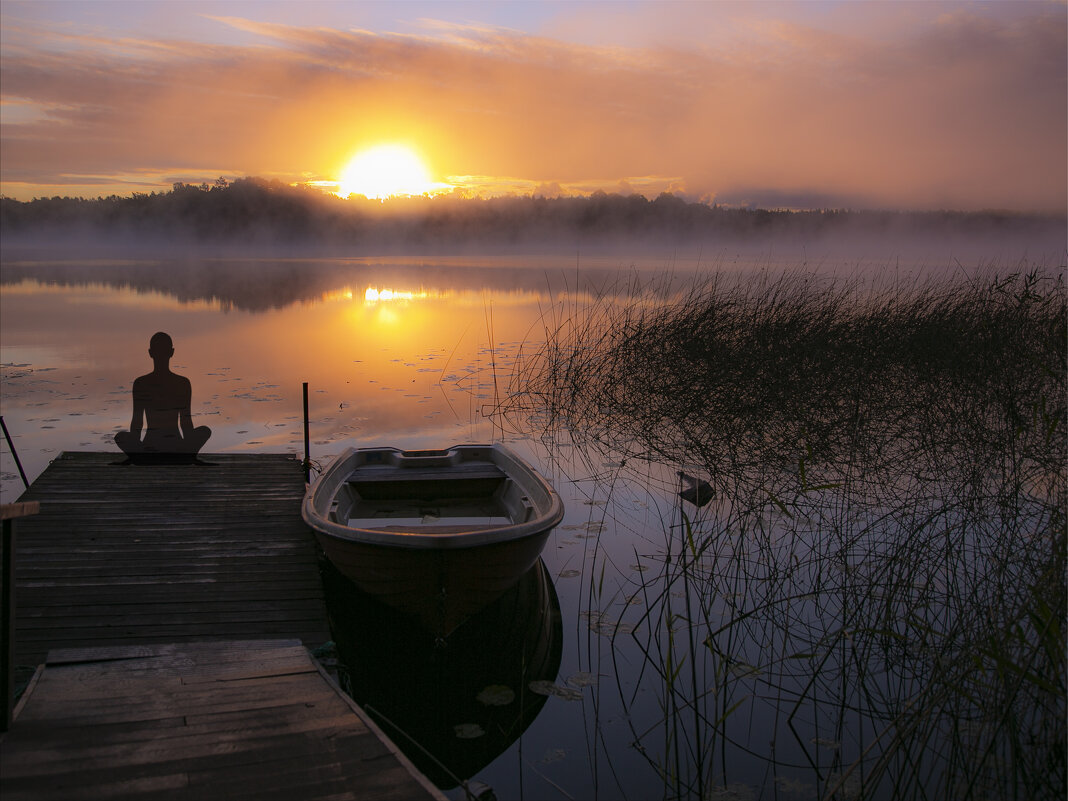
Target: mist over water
[252, 217]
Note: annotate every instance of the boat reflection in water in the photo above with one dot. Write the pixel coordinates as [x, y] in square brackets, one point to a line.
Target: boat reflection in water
[453, 705]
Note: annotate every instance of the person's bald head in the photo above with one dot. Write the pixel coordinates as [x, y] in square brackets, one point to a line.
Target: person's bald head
[160, 346]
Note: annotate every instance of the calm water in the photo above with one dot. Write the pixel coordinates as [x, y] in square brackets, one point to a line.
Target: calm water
[415, 355]
[393, 351]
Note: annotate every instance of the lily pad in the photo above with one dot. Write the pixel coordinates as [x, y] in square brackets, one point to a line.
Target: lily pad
[553, 755]
[543, 687]
[496, 695]
[609, 628]
[567, 693]
[581, 679]
[468, 731]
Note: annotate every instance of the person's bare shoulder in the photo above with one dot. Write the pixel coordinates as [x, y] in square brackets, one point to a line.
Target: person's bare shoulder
[143, 384]
[179, 385]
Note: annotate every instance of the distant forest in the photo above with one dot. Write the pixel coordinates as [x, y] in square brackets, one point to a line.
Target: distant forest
[258, 211]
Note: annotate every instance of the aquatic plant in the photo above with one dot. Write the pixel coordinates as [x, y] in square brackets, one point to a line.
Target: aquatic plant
[880, 577]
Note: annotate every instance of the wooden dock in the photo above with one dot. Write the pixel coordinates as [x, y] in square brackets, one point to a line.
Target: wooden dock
[241, 720]
[128, 555]
[175, 578]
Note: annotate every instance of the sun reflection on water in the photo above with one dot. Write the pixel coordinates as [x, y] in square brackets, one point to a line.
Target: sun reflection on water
[374, 295]
[337, 294]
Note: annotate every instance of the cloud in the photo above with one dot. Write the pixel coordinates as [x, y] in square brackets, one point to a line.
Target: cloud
[953, 110]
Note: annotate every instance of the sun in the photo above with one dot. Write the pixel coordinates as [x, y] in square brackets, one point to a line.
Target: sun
[385, 171]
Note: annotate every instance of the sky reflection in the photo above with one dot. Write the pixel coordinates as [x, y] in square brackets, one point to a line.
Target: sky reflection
[411, 366]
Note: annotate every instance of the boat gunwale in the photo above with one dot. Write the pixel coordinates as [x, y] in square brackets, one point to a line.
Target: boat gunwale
[340, 471]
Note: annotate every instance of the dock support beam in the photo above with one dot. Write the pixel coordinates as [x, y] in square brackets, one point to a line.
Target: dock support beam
[8, 512]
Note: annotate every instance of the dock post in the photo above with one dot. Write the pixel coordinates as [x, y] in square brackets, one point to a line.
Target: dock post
[14, 453]
[307, 448]
[8, 513]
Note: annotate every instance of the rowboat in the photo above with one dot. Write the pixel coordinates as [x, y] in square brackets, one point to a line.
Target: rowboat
[438, 534]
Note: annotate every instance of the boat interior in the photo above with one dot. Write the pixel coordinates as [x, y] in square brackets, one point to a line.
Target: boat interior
[431, 500]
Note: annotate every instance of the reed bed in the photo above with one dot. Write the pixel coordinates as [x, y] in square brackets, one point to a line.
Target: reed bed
[873, 603]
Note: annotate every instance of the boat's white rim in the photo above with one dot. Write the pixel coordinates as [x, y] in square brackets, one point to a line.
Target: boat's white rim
[315, 508]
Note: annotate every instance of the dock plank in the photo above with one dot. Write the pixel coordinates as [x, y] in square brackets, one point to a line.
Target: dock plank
[261, 721]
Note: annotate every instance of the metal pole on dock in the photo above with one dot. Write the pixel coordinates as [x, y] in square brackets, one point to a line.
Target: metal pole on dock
[14, 453]
[307, 447]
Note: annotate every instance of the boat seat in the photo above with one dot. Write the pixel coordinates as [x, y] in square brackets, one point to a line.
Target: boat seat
[457, 473]
[439, 529]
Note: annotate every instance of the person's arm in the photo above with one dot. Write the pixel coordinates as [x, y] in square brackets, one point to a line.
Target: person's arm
[185, 414]
[138, 410]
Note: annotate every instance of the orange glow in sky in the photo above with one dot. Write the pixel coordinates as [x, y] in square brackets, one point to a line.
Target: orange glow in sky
[934, 105]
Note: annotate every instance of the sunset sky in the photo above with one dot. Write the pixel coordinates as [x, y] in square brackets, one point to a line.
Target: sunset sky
[804, 104]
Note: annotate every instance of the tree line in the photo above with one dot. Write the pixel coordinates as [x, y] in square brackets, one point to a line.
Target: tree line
[265, 211]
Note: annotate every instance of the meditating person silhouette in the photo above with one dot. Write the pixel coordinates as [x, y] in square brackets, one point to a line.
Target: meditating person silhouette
[162, 399]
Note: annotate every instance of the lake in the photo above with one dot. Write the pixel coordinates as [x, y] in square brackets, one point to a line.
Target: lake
[393, 349]
[624, 698]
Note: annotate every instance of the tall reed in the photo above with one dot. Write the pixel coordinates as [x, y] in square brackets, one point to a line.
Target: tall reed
[882, 571]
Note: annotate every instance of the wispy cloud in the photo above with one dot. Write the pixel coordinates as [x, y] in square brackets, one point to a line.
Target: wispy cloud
[959, 109]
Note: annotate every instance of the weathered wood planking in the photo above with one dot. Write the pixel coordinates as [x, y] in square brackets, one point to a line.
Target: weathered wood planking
[250, 719]
[126, 555]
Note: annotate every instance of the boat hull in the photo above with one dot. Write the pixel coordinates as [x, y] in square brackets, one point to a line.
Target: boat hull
[439, 588]
[438, 571]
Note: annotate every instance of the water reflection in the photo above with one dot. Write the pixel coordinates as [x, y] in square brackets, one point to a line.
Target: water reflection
[452, 706]
[262, 285]
[401, 371]
[419, 362]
